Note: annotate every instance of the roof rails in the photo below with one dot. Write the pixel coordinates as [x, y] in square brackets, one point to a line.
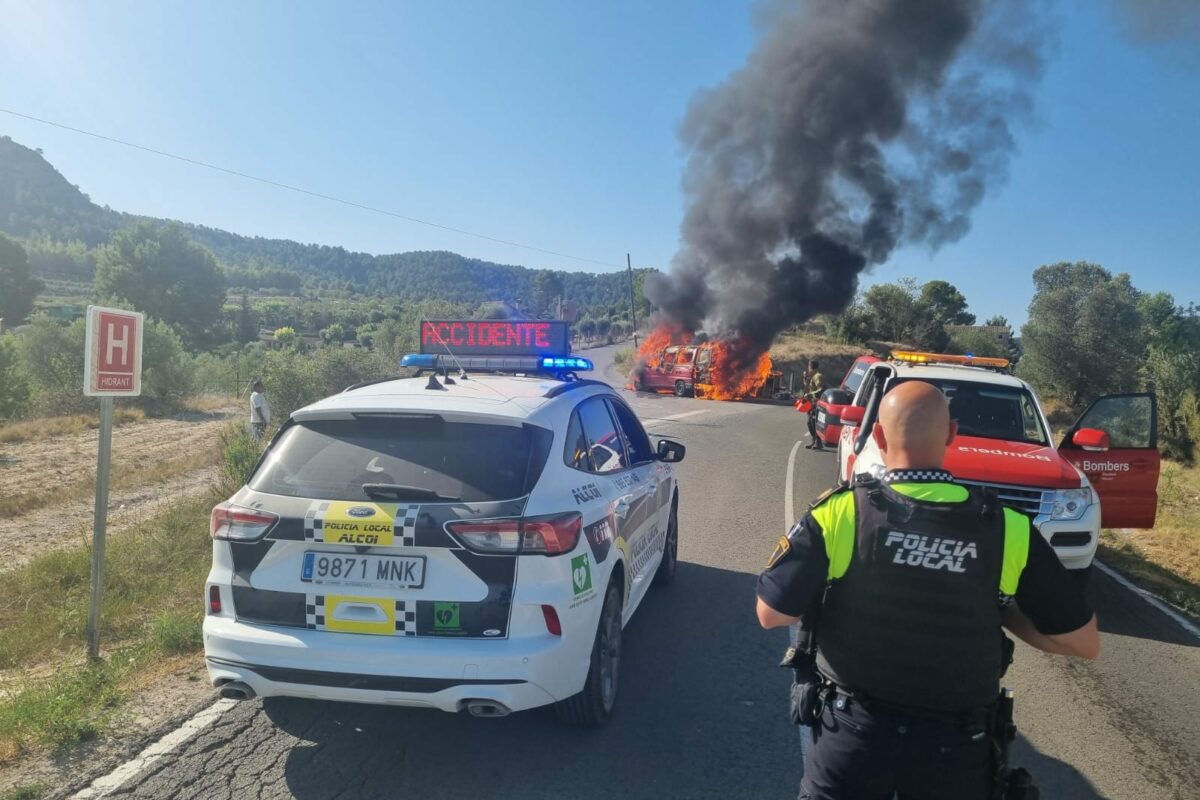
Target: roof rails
[371, 382]
[578, 383]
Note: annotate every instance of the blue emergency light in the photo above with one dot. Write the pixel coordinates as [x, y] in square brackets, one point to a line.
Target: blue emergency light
[569, 362]
[497, 363]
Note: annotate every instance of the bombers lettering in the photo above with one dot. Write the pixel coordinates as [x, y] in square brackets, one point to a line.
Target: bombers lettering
[1104, 466]
[991, 451]
[916, 550]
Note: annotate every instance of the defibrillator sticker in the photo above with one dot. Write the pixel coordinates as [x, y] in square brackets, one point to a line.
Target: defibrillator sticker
[783, 547]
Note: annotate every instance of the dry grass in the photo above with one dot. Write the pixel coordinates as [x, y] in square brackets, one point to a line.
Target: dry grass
[623, 360]
[1166, 558]
[48, 427]
[210, 403]
[152, 612]
[124, 475]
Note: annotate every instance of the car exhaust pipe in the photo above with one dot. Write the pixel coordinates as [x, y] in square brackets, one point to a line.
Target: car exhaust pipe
[487, 708]
[237, 691]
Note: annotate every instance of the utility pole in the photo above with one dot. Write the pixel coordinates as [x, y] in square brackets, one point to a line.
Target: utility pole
[632, 305]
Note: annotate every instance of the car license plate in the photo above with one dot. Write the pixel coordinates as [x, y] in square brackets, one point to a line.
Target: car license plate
[820, 416]
[340, 569]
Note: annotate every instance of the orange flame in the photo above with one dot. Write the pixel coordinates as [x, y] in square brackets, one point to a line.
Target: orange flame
[737, 368]
[738, 371]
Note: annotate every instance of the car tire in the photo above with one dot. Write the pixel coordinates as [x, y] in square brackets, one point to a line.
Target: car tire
[593, 707]
[681, 389]
[670, 558]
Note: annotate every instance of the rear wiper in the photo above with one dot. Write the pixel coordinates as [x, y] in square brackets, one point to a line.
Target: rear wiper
[401, 491]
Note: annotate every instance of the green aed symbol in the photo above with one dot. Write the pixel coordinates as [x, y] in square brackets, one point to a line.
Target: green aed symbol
[445, 616]
[581, 574]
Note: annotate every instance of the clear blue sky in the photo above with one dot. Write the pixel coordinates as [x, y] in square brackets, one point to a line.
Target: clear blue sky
[553, 123]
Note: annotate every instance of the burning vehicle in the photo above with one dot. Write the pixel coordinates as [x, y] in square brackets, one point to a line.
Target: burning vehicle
[690, 365]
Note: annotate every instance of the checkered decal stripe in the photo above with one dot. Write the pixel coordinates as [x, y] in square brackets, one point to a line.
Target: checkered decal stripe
[314, 612]
[313, 522]
[406, 618]
[406, 525]
[404, 528]
[917, 476]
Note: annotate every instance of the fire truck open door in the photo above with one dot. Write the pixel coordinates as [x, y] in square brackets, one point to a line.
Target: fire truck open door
[1115, 443]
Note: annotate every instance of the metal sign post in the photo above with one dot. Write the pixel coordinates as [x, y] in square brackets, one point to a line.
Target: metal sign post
[112, 367]
[99, 526]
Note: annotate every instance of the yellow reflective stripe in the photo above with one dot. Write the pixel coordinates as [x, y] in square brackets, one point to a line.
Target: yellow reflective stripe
[1016, 550]
[836, 518]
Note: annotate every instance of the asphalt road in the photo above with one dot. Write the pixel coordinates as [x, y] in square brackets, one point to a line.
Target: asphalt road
[701, 712]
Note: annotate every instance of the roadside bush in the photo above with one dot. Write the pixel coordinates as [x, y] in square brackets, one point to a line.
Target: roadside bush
[294, 379]
[166, 377]
[229, 372]
[14, 386]
[53, 356]
[239, 454]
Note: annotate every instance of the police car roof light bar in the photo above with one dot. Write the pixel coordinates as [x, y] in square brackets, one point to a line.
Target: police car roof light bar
[555, 365]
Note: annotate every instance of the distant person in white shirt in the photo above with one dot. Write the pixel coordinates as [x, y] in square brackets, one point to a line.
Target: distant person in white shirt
[260, 411]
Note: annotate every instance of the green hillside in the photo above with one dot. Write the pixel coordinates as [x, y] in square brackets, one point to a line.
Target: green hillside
[61, 227]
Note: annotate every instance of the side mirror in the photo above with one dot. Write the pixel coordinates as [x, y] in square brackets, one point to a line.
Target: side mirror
[853, 415]
[670, 452]
[1090, 439]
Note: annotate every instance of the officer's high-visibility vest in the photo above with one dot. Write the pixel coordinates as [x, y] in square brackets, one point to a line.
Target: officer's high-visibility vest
[919, 575]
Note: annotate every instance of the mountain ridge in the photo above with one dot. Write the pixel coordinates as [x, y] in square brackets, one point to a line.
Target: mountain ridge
[60, 226]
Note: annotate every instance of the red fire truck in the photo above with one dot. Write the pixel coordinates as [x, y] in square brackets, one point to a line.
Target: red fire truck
[1103, 473]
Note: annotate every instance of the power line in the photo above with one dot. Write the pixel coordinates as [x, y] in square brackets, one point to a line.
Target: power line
[289, 187]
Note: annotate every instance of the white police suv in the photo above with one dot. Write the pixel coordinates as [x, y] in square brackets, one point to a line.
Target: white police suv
[472, 539]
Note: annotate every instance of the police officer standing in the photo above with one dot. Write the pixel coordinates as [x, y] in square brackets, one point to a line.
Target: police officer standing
[907, 581]
[814, 384]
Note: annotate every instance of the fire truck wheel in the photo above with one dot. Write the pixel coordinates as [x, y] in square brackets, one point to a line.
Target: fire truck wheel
[680, 389]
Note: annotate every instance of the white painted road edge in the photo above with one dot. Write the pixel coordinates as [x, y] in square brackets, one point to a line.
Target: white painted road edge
[102, 787]
[789, 516]
[1150, 598]
[789, 509]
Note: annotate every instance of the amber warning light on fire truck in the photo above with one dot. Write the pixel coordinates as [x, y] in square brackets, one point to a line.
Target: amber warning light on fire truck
[477, 337]
[946, 358]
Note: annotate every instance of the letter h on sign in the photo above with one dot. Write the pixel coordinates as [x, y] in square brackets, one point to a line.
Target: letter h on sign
[113, 353]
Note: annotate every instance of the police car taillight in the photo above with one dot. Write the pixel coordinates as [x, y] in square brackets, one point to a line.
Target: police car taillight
[238, 524]
[551, 535]
[548, 535]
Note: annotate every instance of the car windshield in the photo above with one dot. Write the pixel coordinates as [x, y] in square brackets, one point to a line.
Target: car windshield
[991, 412]
[404, 458]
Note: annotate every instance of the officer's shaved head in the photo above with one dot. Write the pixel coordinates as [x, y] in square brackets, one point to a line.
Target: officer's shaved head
[914, 427]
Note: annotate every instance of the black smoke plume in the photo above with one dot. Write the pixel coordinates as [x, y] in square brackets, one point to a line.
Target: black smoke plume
[854, 127]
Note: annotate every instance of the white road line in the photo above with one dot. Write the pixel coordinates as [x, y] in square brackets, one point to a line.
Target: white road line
[1149, 597]
[103, 786]
[673, 417]
[789, 513]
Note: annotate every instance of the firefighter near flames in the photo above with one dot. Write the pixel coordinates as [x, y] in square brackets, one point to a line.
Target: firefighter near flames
[693, 365]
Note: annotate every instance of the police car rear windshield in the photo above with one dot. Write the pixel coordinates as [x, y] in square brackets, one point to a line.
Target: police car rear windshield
[991, 412]
[404, 458]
